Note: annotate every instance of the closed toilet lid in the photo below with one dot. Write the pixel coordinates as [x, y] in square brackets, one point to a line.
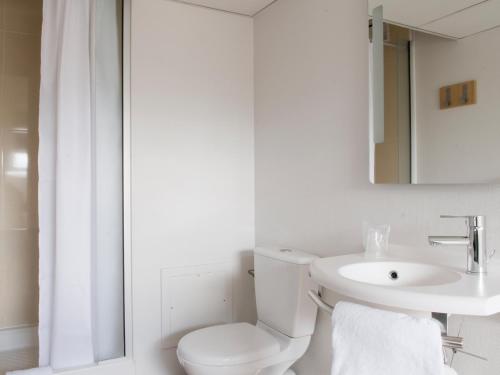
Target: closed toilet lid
[227, 345]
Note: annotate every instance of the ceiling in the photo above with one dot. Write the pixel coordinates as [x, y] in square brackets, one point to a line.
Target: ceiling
[246, 7]
[453, 18]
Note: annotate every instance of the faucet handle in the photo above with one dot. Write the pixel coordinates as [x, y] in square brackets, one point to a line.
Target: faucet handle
[470, 220]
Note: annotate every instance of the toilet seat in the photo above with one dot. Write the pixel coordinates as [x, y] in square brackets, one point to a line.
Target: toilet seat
[227, 345]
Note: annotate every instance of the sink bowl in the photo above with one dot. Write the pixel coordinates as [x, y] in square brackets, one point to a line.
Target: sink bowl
[412, 279]
[392, 273]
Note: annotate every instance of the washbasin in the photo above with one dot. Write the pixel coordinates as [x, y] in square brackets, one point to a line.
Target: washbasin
[412, 279]
[399, 274]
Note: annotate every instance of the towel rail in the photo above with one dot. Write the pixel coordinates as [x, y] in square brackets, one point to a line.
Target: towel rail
[450, 342]
[316, 297]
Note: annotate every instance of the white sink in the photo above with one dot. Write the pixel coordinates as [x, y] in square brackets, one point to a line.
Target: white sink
[398, 273]
[413, 279]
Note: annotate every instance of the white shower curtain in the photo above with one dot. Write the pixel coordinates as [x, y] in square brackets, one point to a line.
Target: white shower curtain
[66, 188]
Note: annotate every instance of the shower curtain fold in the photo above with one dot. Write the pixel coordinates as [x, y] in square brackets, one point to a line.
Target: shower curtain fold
[66, 188]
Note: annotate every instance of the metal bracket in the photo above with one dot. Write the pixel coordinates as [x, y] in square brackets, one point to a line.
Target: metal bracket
[442, 318]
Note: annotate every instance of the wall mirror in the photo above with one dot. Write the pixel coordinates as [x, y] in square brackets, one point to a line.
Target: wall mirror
[434, 91]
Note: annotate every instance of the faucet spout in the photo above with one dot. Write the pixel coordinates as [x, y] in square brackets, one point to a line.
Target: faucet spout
[449, 240]
[474, 241]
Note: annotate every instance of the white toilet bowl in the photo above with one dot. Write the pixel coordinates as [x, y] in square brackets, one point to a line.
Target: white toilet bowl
[239, 349]
[286, 320]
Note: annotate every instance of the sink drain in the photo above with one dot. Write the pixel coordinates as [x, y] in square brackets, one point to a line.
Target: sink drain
[393, 275]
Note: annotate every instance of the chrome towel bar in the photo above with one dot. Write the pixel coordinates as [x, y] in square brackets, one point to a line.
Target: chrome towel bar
[316, 297]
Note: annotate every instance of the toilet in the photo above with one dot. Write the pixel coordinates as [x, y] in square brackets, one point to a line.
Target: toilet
[286, 320]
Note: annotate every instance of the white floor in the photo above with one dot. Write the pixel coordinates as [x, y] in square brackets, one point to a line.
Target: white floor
[18, 360]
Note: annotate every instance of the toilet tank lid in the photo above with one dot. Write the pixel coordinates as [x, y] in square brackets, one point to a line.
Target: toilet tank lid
[285, 254]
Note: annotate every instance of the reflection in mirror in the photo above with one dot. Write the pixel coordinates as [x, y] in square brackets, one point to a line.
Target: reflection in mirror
[441, 95]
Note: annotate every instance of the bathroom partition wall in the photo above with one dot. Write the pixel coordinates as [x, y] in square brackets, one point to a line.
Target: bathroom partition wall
[191, 167]
[109, 179]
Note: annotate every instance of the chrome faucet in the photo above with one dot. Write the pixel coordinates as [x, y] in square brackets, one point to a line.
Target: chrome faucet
[475, 240]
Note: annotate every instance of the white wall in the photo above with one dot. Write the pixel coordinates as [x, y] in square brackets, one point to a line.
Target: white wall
[192, 157]
[459, 144]
[312, 189]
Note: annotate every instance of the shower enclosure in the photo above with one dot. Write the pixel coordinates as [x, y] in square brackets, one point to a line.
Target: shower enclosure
[20, 51]
[20, 32]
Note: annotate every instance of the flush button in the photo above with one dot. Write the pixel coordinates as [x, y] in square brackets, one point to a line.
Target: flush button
[285, 251]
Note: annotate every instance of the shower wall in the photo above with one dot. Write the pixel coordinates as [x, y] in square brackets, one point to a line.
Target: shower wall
[20, 32]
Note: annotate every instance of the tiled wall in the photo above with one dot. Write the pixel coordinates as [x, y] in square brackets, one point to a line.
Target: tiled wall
[20, 32]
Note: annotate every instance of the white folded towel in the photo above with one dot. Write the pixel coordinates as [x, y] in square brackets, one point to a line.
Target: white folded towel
[369, 341]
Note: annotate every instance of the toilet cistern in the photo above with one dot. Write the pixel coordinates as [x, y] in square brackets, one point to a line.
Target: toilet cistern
[475, 241]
